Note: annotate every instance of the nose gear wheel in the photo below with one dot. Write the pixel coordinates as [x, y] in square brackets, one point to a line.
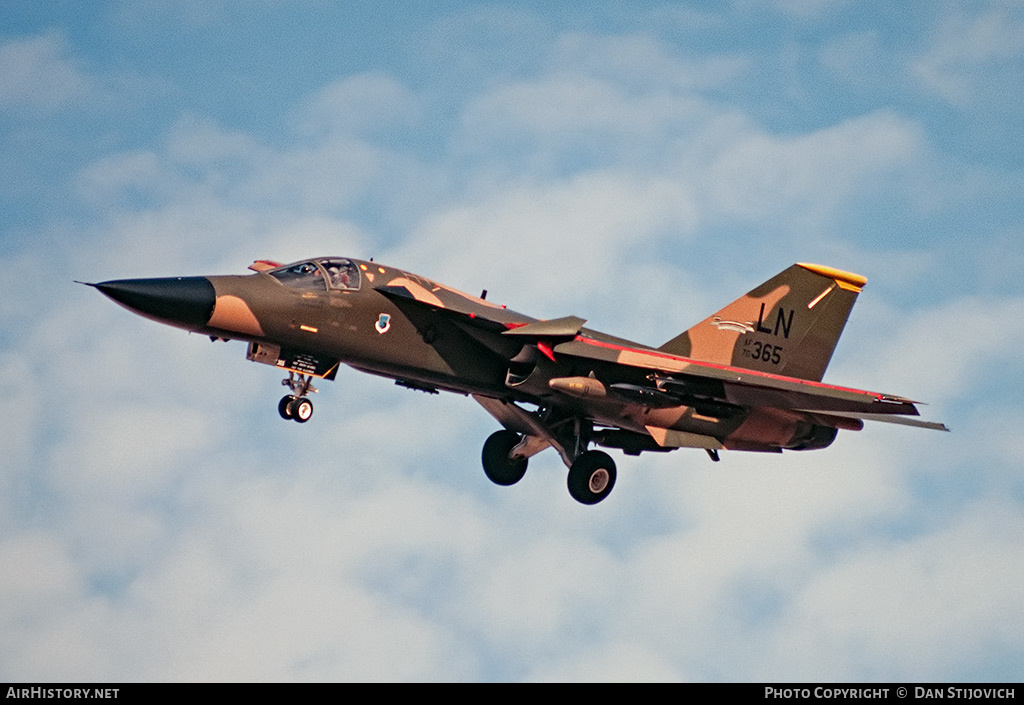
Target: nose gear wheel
[295, 406]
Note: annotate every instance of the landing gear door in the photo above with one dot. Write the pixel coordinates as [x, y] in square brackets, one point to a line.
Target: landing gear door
[293, 360]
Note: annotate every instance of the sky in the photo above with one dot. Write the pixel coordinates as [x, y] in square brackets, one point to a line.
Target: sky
[636, 164]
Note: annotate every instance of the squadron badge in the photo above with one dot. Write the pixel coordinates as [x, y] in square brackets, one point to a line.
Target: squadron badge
[383, 324]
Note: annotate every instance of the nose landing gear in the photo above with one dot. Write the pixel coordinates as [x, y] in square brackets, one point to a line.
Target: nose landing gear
[295, 406]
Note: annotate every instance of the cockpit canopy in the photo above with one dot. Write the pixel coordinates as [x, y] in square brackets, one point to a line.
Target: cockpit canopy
[319, 274]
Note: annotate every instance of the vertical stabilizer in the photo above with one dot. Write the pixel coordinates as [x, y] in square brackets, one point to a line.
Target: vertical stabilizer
[789, 325]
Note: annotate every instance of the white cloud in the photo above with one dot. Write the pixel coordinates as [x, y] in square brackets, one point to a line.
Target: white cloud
[808, 176]
[20, 416]
[642, 63]
[40, 74]
[560, 243]
[571, 597]
[564, 120]
[360, 104]
[608, 662]
[972, 56]
[195, 143]
[220, 169]
[941, 602]
[167, 526]
[123, 176]
[943, 352]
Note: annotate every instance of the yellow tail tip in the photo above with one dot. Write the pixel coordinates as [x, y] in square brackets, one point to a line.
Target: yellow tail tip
[846, 280]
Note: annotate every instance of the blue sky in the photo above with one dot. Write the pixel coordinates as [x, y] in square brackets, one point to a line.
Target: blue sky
[639, 165]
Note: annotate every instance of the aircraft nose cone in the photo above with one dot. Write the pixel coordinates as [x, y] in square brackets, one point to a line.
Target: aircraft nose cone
[186, 302]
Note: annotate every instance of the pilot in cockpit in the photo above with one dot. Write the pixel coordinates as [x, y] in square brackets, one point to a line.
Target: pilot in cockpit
[339, 276]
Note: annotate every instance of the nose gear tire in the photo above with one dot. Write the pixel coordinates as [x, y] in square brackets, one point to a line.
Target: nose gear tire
[285, 407]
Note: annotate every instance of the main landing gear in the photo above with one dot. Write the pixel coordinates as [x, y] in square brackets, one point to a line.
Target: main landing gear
[499, 465]
[295, 406]
[591, 472]
[591, 477]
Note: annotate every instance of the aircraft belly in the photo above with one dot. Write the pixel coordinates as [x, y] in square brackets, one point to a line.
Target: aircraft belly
[760, 429]
[425, 379]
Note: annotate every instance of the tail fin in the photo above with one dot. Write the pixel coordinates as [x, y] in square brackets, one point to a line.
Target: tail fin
[789, 325]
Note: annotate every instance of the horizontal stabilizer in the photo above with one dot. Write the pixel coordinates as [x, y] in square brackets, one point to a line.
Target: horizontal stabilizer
[890, 418]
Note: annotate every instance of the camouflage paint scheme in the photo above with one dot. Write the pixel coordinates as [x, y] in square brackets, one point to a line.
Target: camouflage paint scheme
[746, 378]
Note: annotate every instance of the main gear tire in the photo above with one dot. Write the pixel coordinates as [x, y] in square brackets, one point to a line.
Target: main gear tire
[591, 477]
[498, 466]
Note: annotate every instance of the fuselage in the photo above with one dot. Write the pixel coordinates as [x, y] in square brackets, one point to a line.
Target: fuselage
[313, 315]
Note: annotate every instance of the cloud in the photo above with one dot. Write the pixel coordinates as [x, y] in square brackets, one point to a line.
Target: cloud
[166, 525]
[972, 56]
[861, 59]
[955, 345]
[599, 101]
[40, 75]
[807, 9]
[608, 662]
[643, 63]
[943, 601]
[359, 104]
[563, 238]
[761, 176]
[44, 613]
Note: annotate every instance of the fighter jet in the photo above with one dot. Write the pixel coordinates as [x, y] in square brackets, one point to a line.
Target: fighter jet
[745, 378]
